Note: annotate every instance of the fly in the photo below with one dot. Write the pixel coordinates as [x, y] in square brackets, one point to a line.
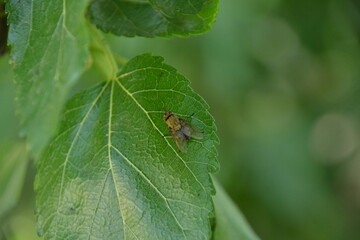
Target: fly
[181, 131]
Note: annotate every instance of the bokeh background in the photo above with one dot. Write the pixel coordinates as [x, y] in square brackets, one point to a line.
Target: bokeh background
[282, 78]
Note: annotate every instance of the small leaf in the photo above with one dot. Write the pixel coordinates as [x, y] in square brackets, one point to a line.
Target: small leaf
[111, 173]
[49, 51]
[230, 222]
[13, 162]
[150, 18]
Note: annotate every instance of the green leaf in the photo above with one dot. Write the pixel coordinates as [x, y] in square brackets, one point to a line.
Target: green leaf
[49, 51]
[111, 172]
[8, 120]
[13, 162]
[151, 18]
[230, 223]
[3, 28]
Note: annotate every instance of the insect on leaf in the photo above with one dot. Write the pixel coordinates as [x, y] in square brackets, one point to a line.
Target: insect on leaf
[115, 175]
[181, 130]
[193, 131]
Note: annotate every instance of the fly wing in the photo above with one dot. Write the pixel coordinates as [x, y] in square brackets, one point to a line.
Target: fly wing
[182, 145]
[191, 131]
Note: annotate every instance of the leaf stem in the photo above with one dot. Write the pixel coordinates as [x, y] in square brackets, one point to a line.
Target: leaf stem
[121, 60]
[102, 54]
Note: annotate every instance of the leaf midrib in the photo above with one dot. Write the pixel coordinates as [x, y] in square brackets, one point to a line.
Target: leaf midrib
[109, 154]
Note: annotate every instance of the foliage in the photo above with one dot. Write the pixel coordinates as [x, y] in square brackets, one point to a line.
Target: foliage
[13, 160]
[230, 223]
[115, 165]
[154, 17]
[281, 78]
[110, 171]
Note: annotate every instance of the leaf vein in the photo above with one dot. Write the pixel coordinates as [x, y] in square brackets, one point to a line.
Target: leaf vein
[110, 157]
[98, 202]
[141, 69]
[71, 147]
[158, 130]
[152, 185]
[167, 90]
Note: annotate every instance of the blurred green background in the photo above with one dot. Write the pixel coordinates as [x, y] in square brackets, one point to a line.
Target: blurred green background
[283, 82]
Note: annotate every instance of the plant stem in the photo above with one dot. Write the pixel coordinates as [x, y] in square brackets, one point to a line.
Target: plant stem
[102, 54]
